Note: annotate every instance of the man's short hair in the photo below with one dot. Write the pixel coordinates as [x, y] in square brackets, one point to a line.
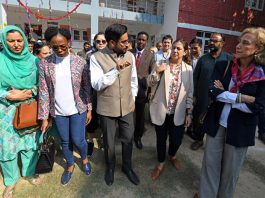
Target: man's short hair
[144, 33]
[114, 32]
[86, 43]
[168, 36]
[196, 41]
[219, 34]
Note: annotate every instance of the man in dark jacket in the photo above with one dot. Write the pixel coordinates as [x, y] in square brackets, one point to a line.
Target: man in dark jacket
[144, 64]
[201, 77]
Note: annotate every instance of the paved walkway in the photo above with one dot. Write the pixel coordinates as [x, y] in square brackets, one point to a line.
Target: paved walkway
[182, 184]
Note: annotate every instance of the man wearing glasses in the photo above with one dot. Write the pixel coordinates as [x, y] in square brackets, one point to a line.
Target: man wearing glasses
[114, 77]
[201, 77]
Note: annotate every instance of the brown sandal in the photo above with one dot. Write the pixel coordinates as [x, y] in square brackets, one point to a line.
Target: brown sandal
[156, 173]
[176, 163]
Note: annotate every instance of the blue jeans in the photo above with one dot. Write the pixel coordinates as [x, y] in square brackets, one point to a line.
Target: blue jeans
[261, 124]
[72, 131]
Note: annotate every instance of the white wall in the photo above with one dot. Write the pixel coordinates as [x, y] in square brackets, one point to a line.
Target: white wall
[171, 12]
[133, 28]
[79, 22]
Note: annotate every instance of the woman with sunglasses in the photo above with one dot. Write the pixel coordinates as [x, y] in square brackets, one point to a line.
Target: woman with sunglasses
[64, 94]
[100, 41]
[98, 44]
[238, 92]
[41, 50]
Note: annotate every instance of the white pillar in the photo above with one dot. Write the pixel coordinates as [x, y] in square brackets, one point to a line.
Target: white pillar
[94, 19]
[171, 12]
[3, 17]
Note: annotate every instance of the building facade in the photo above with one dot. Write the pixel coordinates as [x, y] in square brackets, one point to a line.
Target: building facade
[89, 18]
[180, 18]
[229, 17]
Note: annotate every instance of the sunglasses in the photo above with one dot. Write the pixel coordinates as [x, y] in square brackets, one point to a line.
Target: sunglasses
[101, 41]
[62, 47]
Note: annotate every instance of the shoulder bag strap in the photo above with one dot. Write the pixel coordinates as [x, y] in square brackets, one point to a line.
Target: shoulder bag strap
[226, 69]
[157, 87]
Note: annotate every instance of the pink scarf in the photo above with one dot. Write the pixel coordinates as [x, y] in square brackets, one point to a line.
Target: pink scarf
[251, 73]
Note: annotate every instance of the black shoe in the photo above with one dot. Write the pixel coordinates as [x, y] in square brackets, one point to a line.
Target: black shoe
[90, 148]
[196, 145]
[109, 176]
[131, 176]
[138, 143]
[262, 137]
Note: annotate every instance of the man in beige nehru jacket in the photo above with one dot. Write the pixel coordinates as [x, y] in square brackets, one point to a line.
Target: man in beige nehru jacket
[113, 75]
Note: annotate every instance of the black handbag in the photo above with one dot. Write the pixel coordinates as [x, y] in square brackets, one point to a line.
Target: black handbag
[46, 154]
[211, 109]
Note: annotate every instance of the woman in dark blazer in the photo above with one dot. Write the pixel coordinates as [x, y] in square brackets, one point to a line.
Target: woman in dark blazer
[238, 93]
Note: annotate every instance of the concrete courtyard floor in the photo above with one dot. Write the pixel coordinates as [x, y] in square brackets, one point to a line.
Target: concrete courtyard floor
[172, 183]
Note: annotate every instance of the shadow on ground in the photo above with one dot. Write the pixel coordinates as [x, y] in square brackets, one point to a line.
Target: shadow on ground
[172, 183]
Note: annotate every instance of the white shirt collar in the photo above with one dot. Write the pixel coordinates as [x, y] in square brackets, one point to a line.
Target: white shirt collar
[137, 51]
[60, 59]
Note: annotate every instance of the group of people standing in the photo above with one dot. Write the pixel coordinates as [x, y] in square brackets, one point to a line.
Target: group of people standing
[113, 84]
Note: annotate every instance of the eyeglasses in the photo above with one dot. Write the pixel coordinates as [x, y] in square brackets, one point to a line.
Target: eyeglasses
[62, 47]
[126, 42]
[214, 41]
[101, 41]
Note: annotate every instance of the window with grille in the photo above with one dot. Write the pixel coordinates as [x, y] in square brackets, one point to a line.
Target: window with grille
[255, 4]
[204, 37]
[76, 35]
[85, 36]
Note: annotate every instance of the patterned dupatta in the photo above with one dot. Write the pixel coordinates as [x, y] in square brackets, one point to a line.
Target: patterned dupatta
[251, 73]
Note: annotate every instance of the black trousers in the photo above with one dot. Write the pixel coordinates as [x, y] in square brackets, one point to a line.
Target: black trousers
[175, 134]
[139, 119]
[93, 125]
[261, 125]
[198, 132]
[126, 129]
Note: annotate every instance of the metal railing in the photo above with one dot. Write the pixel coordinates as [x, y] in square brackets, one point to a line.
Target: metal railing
[77, 1]
[154, 7]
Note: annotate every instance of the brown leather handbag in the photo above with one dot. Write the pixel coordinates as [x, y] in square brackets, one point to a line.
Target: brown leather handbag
[26, 115]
